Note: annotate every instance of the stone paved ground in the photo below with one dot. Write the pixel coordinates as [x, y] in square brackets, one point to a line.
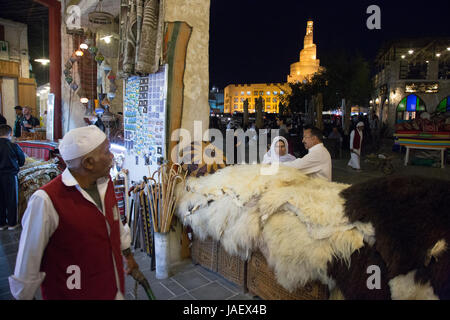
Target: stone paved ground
[193, 282]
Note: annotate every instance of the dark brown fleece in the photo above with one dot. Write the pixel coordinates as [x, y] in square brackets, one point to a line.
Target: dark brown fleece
[409, 214]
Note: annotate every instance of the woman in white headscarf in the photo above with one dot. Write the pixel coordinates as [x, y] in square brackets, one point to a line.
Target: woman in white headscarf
[278, 151]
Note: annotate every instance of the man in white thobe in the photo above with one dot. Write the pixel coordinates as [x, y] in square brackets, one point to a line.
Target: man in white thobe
[356, 137]
[317, 163]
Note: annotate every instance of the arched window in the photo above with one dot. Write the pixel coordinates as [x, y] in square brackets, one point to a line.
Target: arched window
[409, 108]
[444, 105]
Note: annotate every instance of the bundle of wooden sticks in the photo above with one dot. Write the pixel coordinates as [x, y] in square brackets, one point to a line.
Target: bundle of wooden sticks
[160, 190]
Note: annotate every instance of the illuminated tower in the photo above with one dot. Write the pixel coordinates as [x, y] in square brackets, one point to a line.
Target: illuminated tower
[307, 64]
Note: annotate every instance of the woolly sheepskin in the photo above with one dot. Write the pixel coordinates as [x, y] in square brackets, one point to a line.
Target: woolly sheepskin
[296, 221]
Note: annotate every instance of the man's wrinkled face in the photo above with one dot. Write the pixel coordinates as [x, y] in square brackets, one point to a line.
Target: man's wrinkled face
[280, 148]
[101, 160]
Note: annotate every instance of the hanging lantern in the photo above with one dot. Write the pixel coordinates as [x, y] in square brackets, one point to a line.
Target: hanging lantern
[112, 77]
[69, 80]
[84, 46]
[99, 58]
[106, 67]
[83, 97]
[93, 50]
[79, 53]
[74, 86]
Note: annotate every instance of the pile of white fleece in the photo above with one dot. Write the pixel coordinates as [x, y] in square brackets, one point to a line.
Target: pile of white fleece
[297, 222]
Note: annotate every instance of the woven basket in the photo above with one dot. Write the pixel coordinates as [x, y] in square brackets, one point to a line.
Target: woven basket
[261, 282]
[232, 268]
[205, 253]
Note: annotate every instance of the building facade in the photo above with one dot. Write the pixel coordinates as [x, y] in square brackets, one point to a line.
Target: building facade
[412, 76]
[304, 69]
[236, 94]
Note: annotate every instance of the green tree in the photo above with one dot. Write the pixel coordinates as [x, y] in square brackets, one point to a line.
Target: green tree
[348, 81]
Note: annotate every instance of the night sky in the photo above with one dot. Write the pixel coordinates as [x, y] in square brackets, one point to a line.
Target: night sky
[256, 41]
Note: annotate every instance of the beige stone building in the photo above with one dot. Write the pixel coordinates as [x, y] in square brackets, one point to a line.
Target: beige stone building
[308, 64]
[236, 94]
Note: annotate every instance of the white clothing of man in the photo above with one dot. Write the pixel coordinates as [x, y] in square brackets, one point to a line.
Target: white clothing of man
[356, 137]
[278, 151]
[317, 163]
[86, 153]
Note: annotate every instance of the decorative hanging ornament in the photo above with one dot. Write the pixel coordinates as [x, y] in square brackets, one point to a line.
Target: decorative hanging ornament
[93, 50]
[106, 67]
[72, 59]
[99, 58]
[74, 86]
[112, 77]
[68, 65]
[66, 72]
[69, 80]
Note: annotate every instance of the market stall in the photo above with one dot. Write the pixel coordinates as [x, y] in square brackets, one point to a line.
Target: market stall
[288, 236]
[39, 149]
[425, 133]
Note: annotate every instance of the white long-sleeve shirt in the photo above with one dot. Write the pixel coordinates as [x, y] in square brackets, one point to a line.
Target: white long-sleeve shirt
[39, 222]
[317, 163]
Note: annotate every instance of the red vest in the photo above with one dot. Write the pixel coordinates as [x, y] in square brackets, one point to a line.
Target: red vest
[81, 239]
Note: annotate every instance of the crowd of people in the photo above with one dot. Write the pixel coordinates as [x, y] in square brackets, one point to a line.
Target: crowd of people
[335, 140]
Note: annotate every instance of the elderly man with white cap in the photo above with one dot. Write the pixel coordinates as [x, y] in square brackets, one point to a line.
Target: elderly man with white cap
[73, 240]
[356, 137]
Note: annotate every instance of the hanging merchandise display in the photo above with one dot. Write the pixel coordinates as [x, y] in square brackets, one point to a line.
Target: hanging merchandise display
[145, 122]
[141, 34]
